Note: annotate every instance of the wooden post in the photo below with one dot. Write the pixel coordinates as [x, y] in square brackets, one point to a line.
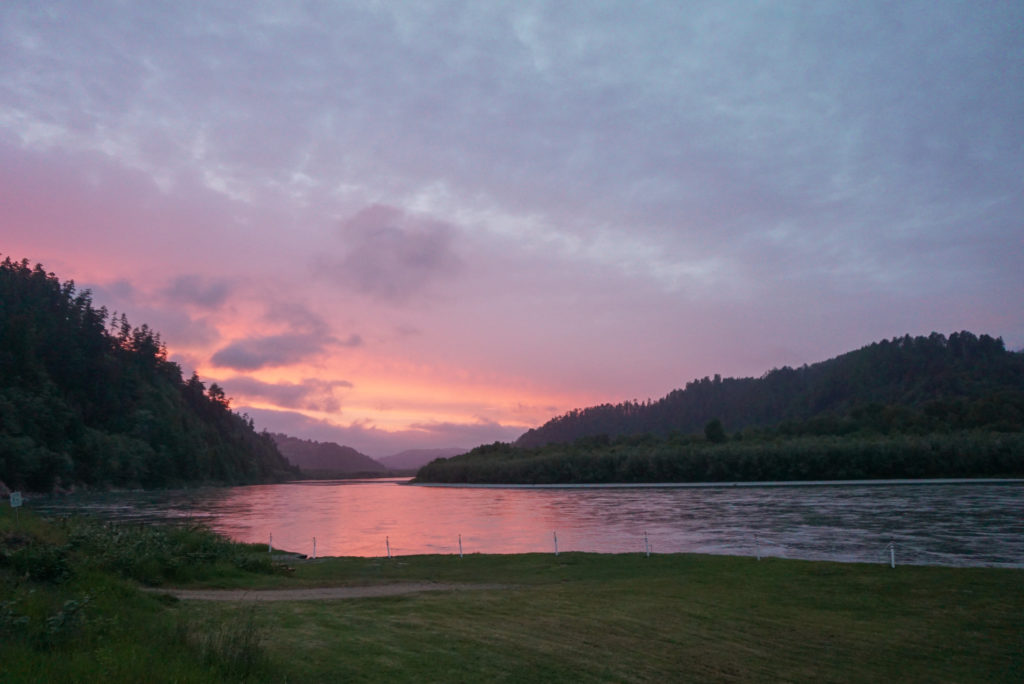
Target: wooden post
[314, 548]
[387, 542]
[555, 536]
[460, 545]
[647, 545]
[270, 543]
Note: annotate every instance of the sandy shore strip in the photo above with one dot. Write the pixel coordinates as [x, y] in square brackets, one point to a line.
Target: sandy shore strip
[319, 593]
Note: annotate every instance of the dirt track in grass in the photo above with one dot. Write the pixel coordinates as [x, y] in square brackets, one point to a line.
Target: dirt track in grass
[321, 593]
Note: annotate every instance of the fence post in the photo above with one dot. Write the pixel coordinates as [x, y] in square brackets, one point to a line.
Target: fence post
[757, 547]
[270, 543]
[892, 554]
[554, 535]
[387, 543]
[647, 546]
[460, 546]
[314, 548]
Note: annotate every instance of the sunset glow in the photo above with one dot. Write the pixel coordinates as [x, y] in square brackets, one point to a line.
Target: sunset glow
[406, 225]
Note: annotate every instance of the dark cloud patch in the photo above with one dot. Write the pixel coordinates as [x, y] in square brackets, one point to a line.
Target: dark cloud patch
[270, 351]
[392, 255]
[351, 341]
[307, 336]
[205, 293]
[310, 394]
[296, 316]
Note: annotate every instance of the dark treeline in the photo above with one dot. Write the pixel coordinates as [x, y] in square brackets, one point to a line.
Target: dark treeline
[909, 407]
[964, 380]
[808, 457]
[87, 399]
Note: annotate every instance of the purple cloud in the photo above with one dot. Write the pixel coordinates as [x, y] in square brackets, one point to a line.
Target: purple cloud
[277, 350]
[199, 291]
[310, 394]
[392, 255]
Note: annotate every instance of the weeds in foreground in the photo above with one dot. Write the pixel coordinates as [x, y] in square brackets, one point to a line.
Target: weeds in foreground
[233, 647]
[67, 613]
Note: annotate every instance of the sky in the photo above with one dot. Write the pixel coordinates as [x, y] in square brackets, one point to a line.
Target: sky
[437, 224]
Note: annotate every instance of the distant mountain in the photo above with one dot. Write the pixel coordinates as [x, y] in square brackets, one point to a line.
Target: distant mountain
[412, 459]
[326, 459]
[960, 377]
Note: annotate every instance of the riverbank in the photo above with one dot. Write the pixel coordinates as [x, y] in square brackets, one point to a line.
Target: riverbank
[719, 485]
[71, 613]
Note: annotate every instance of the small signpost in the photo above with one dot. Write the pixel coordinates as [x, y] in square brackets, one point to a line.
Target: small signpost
[16, 504]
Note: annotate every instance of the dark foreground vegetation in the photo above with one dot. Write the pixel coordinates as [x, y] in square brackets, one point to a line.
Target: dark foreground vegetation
[71, 610]
[902, 408]
[87, 399]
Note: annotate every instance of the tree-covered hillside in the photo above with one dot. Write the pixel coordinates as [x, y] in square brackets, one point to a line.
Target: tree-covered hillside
[86, 399]
[962, 381]
[902, 408]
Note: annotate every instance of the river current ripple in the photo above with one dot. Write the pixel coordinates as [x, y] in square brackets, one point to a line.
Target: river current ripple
[946, 523]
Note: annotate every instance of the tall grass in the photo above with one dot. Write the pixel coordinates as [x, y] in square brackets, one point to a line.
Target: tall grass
[70, 609]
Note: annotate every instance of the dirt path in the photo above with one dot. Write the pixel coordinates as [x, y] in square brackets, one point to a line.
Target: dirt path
[319, 593]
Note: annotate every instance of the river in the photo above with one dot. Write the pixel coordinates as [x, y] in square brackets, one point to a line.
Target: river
[939, 523]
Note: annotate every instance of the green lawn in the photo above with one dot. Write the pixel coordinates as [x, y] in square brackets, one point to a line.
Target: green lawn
[575, 617]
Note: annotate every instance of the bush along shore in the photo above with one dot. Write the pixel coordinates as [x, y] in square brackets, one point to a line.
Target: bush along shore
[73, 608]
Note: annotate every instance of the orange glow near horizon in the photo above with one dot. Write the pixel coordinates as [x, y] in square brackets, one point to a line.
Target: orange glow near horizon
[393, 389]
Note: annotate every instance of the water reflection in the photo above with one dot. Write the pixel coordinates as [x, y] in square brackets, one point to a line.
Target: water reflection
[943, 524]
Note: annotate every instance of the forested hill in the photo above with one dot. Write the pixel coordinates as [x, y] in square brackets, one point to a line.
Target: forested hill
[960, 382]
[326, 459]
[86, 399]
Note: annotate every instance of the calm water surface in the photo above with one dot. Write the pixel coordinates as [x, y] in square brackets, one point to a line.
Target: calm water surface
[943, 524]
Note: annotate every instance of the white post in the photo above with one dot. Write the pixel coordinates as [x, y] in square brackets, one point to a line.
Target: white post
[892, 554]
[270, 543]
[387, 542]
[757, 547]
[460, 546]
[647, 546]
[314, 548]
[554, 535]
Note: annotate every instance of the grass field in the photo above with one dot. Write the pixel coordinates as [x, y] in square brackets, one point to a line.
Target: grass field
[574, 617]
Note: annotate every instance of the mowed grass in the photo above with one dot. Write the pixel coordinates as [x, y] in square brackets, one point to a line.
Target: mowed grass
[592, 617]
[71, 614]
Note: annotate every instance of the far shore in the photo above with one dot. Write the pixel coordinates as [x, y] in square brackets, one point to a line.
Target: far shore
[693, 485]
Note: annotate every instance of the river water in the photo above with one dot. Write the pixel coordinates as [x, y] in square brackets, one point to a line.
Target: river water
[944, 523]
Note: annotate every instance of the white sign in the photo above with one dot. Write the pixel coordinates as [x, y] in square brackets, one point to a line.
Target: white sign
[15, 499]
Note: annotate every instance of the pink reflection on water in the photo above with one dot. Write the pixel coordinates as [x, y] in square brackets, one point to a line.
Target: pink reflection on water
[354, 518]
[965, 523]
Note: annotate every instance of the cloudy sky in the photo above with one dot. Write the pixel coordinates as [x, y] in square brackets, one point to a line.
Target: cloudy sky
[425, 224]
